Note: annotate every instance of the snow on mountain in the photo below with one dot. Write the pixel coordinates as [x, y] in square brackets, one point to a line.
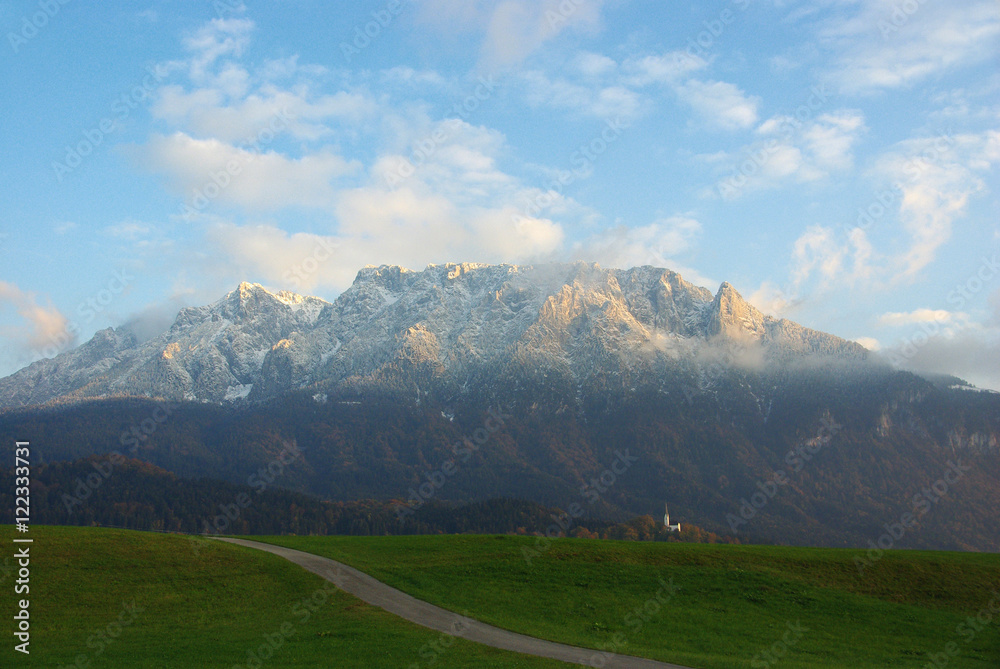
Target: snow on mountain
[452, 324]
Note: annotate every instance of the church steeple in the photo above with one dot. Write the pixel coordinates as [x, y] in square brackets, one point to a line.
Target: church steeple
[666, 520]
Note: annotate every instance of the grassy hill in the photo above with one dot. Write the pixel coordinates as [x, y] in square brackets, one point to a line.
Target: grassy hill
[113, 598]
[105, 598]
[726, 607]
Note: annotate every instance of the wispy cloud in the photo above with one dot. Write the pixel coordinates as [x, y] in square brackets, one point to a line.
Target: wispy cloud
[511, 30]
[606, 101]
[658, 244]
[214, 40]
[897, 318]
[936, 176]
[789, 151]
[42, 324]
[720, 104]
[885, 45]
[246, 178]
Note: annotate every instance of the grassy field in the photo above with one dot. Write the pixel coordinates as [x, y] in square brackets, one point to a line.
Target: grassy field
[709, 606]
[111, 598]
[108, 598]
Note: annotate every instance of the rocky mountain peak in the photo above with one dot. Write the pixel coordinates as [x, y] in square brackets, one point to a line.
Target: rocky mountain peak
[444, 325]
[734, 317]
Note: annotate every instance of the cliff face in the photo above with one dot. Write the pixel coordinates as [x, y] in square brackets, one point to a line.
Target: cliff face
[444, 325]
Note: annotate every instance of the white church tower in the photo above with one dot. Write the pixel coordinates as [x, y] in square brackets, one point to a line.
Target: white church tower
[666, 521]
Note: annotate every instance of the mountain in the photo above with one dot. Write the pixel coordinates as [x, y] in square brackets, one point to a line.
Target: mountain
[612, 390]
[440, 329]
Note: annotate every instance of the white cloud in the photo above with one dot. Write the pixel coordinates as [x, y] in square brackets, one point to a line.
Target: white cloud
[820, 261]
[408, 76]
[511, 29]
[666, 69]
[791, 151]
[655, 244]
[289, 261]
[377, 226]
[899, 318]
[216, 39]
[719, 103]
[594, 64]
[287, 68]
[454, 204]
[518, 27]
[772, 299]
[234, 117]
[830, 140]
[869, 343]
[253, 180]
[612, 101]
[969, 353]
[599, 86]
[936, 177]
[884, 45]
[223, 99]
[130, 230]
[954, 345]
[816, 252]
[43, 328]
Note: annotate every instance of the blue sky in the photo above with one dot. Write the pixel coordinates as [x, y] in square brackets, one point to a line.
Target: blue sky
[835, 160]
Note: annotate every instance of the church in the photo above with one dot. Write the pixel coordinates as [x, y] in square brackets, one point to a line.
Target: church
[666, 521]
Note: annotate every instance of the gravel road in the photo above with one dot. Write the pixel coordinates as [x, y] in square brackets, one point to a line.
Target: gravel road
[395, 601]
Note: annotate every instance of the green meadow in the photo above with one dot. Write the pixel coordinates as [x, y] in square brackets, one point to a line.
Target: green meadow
[728, 606]
[102, 598]
[114, 598]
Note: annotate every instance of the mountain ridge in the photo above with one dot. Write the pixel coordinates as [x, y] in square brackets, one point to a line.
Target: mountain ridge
[442, 327]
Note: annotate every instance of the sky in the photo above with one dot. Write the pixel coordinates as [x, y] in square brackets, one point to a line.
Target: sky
[835, 160]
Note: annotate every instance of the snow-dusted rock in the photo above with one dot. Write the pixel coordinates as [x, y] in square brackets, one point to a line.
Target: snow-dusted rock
[449, 324]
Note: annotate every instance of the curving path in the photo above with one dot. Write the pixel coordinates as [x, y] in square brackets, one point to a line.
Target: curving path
[395, 601]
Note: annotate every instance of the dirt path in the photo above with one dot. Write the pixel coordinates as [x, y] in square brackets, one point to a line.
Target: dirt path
[395, 601]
